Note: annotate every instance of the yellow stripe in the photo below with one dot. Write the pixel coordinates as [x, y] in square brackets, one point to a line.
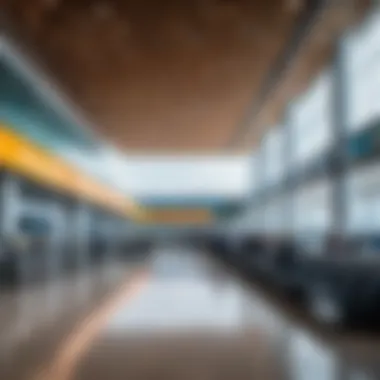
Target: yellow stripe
[21, 156]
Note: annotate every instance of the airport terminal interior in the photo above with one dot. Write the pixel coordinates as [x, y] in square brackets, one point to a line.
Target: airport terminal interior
[189, 189]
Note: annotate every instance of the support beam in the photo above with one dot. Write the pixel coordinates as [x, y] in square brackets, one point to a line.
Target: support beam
[288, 180]
[9, 190]
[307, 18]
[81, 233]
[9, 208]
[339, 111]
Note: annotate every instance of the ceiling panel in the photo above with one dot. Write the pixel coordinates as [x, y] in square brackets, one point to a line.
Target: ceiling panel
[162, 76]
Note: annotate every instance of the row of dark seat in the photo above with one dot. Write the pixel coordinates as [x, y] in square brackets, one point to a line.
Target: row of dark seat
[337, 274]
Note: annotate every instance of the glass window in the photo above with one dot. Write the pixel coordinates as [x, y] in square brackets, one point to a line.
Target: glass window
[310, 118]
[274, 216]
[313, 212]
[255, 179]
[273, 151]
[362, 60]
[34, 226]
[363, 199]
[252, 219]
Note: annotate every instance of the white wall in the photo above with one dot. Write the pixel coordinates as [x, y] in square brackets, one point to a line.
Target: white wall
[225, 176]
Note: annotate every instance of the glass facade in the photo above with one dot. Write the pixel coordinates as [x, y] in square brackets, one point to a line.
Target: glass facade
[363, 194]
[304, 204]
[362, 61]
[274, 221]
[362, 69]
[311, 130]
[273, 152]
[312, 208]
[311, 122]
[273, 174]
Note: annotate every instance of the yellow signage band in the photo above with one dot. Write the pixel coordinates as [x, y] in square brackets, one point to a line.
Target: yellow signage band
[19, 155]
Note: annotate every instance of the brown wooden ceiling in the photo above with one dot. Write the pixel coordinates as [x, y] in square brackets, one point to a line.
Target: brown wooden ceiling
[170, 75]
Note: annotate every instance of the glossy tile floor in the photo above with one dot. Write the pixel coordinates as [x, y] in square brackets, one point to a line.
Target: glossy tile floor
[178, 315]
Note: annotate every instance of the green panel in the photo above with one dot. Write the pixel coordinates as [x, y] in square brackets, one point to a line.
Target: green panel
[25, 112]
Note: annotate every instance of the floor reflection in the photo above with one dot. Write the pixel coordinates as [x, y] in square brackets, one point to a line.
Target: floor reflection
[192, 319]
[36, 317]
[181, 295]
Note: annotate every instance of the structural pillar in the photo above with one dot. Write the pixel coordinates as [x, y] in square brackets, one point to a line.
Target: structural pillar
[261, 204]
[9, 208]
[112, 239]
[81, 234]
[289, 181]
[340, 159]
[9, 216]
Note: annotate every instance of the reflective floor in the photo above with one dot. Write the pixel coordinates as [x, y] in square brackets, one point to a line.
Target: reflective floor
[179, 315]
